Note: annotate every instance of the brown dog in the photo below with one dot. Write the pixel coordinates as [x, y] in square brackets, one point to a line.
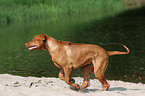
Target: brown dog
[69, 56]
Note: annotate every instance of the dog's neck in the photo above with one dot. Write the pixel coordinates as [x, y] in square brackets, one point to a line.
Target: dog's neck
[51, 44]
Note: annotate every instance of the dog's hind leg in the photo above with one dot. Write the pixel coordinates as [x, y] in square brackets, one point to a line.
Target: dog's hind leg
[87, 69]
[100, 65]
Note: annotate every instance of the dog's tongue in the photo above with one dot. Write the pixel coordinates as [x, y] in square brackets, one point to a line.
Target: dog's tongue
[32, 47]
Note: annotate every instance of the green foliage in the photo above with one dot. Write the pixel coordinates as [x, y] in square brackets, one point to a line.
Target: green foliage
[27, 10]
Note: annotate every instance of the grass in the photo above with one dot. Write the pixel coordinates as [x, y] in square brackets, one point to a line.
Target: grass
[27, 10]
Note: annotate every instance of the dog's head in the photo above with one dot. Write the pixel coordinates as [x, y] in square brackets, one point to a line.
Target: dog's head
[37, 43]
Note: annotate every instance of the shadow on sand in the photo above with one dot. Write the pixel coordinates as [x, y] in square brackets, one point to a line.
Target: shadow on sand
[99, 90]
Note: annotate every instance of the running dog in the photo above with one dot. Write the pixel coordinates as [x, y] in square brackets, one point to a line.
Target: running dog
[69, 56]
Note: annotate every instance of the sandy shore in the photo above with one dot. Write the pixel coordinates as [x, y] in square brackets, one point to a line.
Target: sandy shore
[31, 86]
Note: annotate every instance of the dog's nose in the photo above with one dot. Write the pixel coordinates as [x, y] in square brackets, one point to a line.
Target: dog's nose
[26, 44]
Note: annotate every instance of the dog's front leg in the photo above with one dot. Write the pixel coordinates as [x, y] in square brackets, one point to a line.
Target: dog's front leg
[67, 71]
[62, 77]
[61, 74]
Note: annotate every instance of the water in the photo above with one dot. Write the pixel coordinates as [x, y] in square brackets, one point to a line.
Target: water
[126, 28]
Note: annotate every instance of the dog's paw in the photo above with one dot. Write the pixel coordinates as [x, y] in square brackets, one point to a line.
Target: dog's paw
[77, 87]
[72, 80]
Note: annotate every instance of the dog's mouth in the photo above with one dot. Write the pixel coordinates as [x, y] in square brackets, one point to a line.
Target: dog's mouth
[32, 48]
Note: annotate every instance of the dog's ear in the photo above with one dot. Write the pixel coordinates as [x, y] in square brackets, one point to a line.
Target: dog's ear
[44, 38]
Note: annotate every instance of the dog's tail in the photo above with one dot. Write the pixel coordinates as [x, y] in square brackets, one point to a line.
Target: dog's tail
[118, 52]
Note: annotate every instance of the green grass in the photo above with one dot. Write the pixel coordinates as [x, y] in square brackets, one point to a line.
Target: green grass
[28, 10]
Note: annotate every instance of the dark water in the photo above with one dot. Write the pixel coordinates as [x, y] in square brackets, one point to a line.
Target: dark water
[126, 28]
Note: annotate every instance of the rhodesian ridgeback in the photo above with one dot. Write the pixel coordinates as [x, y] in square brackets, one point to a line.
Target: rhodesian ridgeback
[69, 56]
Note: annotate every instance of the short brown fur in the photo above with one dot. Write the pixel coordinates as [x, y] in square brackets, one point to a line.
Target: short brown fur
[69, 56]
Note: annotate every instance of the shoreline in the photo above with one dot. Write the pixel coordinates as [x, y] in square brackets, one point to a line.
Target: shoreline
[32, 86]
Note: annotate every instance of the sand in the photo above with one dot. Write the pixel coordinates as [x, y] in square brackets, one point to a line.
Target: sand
[32, 86]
